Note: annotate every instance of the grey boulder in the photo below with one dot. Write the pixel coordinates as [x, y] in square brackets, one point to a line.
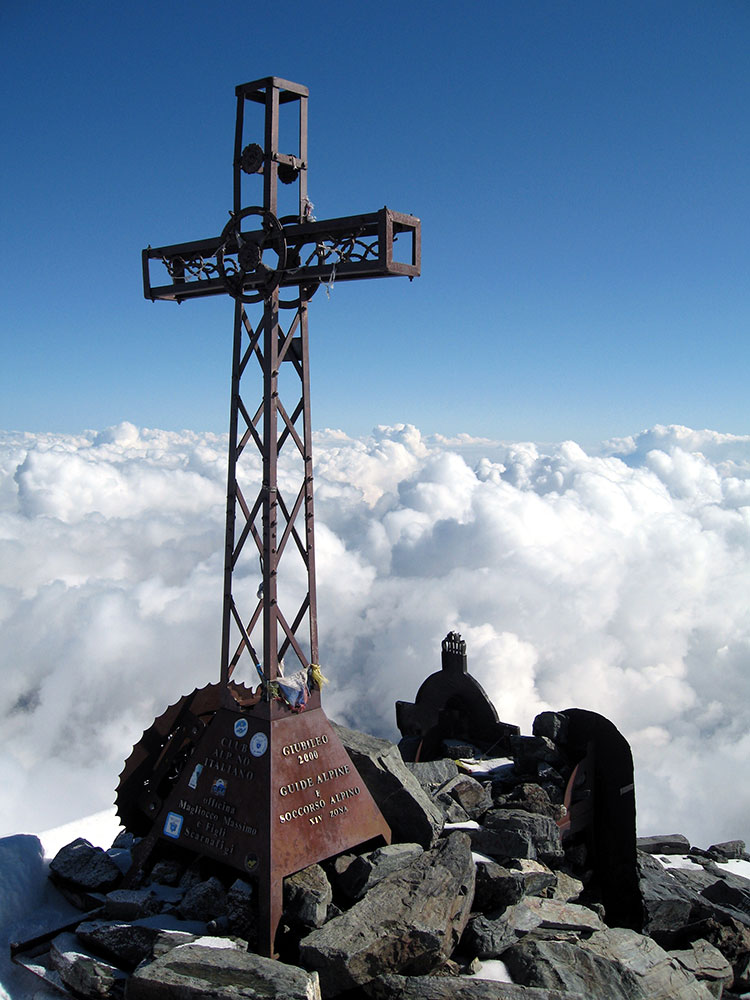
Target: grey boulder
[471, 795]
[79, 865]
[307, 896]
[204, 901]
[124, 944]
[729, 850]
[565, 965]
[672, 843]
[458, 988]
[406, 807]
[83, 973]
[515, 833]
[433, 774]
[488, 936]
[708, 964]
[659, 975]
[615, 963]
[131, 904]
[197, 972]
[408, 923]
[357, 874]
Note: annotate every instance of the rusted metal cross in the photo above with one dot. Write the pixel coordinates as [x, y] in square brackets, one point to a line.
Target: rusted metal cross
[257, 256]
[233, 773]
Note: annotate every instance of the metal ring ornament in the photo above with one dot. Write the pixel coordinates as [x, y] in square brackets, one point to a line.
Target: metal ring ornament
[306, 292]
[249, 253]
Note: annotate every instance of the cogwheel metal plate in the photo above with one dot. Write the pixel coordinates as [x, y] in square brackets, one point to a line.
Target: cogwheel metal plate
[154, 763]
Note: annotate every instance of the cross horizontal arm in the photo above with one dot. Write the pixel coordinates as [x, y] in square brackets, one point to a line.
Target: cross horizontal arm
[356, 246]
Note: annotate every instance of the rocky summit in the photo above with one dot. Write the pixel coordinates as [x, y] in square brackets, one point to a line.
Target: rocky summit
[477, 897]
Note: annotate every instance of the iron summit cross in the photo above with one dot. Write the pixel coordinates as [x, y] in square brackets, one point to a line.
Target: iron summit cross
[257, 256]
[273, 786]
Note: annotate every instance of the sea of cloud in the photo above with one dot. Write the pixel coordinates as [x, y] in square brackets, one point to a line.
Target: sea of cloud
[614, 579]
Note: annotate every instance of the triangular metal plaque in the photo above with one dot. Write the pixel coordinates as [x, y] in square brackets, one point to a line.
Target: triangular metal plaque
[268, 792]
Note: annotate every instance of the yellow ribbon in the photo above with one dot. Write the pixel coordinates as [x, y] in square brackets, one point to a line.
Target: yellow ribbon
[316, 676]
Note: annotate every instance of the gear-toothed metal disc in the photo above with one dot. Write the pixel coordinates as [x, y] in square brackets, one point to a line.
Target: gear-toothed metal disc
[159, 756]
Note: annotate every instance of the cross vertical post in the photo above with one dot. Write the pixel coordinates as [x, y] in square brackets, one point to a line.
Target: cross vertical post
[270, 504]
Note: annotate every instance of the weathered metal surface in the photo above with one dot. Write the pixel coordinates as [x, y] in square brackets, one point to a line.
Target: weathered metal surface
[269, 796]
[214, 773]
[451, 704]
[152, 768]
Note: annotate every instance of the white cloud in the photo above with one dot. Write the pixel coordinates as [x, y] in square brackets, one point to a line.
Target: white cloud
[614, 581]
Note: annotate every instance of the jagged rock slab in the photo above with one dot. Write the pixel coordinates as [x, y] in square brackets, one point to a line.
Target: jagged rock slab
[504, 778]
[729, 850]
[488, 936]
[534, 913]
[675, 898]
[409, 922]
[131, 904]
[531, 798]
[431, 774]
[454, 988]
[406, 807]
[453, 812]
[124, 841]
[706, 963]
[660, 976]
[470, 794]
[342, 881]
[167, 871]
[83, 972]
[731, 938]
[671, 843]
[197, 972]
[241, 910]
[529, 751]
[515, 833]
[123, 859]
[536, 876]
[84, 867]
[498, 887]
[166, 939]
[553, 725]
[204, 901]
[124, 944]
[720, 893]
[693, 880]
[563, 965]
[668, 904]
[616, 964]
[567, 888]
[733, 898]
[357, 874]
[383, 861]
[307, 896]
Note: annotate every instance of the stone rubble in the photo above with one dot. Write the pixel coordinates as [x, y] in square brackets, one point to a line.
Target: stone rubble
[416, 920]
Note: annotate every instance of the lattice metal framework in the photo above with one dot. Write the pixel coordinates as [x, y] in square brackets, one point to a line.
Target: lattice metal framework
[257, 255]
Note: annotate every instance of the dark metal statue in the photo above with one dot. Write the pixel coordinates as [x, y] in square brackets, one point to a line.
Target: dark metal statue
[451, 705]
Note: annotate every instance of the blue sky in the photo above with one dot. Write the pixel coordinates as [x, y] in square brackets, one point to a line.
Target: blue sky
[580, 170]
